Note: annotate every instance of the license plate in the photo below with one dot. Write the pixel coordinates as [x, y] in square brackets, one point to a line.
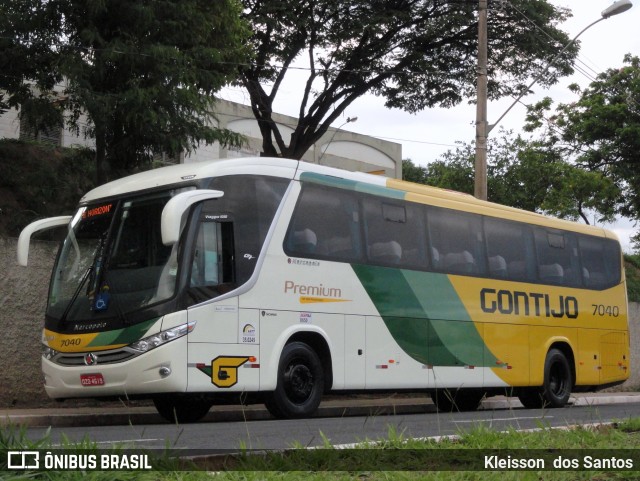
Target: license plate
[92, 379]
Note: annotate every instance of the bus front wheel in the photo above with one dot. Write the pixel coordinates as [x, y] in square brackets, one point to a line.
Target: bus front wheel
[300, 383]
[558, 382]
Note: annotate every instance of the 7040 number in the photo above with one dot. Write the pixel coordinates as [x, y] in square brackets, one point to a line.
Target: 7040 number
[602, 310]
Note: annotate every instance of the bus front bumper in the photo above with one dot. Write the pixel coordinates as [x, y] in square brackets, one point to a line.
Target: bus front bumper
[161, 370]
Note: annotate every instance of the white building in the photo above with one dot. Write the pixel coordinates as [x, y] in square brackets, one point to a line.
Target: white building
[337, 148]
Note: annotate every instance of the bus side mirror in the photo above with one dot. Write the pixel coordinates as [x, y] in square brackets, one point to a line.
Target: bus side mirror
[27, 232]
[176, 207]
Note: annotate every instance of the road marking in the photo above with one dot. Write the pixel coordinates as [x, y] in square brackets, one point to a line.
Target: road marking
[501, 419]
[148, 440]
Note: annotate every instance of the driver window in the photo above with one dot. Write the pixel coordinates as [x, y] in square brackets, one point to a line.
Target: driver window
[212, 265]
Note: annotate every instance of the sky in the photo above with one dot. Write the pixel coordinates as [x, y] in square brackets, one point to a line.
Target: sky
[429, 134]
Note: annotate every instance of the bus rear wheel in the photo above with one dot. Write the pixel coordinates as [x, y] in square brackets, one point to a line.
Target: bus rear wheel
[451, 400]
[181, 409]
[558, 382]
[300, 383]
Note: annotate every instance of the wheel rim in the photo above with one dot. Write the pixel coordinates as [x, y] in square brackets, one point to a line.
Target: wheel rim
[557, 380]
[298, 382]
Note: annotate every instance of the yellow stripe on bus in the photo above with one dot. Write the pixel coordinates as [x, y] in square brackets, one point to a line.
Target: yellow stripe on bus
[74, 342]
[311, 300]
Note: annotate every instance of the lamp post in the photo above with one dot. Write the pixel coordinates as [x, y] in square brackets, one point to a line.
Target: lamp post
[482, 126]
[349, 120]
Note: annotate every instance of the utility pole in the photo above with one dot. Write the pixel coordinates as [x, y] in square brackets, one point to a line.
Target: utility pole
[480, 182]
[482, 126]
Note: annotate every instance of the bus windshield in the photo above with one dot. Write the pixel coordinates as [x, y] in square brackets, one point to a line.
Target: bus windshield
[113, 261]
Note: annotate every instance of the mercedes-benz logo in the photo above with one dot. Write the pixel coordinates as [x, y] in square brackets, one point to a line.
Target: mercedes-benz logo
[90, 359]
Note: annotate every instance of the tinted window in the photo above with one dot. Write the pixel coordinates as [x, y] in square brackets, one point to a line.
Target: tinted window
[394, 233]
[250, 202]
[557, 255]
[509, 250]
[600, 262]
[341, 225]
[325, 224]
[456, 241]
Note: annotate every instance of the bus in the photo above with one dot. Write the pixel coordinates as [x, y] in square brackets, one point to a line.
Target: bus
[278, 281]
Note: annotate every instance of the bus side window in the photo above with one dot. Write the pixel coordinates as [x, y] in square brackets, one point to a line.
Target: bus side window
[557, 255]
[509, 250]
[457, 241]
[600, 262]
[394, 233]
[325, 225]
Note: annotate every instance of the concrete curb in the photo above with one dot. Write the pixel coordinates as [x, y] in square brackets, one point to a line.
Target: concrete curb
[336, 407]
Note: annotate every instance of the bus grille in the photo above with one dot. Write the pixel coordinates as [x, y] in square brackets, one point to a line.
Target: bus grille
[103, 357]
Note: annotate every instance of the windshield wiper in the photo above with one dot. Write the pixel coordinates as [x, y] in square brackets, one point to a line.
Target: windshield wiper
[85, 276]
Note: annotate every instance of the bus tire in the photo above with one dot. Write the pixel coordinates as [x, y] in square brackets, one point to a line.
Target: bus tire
[558, 382]
[300, 383]
[452, 400]
[181, 409]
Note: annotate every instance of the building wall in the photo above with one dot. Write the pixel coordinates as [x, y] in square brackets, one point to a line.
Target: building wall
[23, 298]
[10, 124]
[337, 148]
[23, 295]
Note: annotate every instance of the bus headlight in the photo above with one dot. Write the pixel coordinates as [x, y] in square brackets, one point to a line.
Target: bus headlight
[163, 337]
[48, 353]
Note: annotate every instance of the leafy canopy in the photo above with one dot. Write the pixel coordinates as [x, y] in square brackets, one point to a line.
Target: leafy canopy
[601, 130]
[415, 53]
[527, 174]
[142, 71]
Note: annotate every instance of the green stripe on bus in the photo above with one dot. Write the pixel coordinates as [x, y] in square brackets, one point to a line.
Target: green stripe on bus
[352, 185]
[123, 336]
[425, 316]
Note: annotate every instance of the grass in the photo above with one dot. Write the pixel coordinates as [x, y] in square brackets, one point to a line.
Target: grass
[396, 457]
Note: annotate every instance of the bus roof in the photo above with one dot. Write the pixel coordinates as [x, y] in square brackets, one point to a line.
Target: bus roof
[292, 169]
[191, 173]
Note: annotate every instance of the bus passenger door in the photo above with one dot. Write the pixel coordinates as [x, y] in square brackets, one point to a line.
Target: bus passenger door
[355, 353]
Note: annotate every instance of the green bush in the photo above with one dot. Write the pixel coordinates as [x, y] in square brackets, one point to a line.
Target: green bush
[632, 269]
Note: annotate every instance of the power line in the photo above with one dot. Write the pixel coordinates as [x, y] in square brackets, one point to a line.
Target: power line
[543, 31]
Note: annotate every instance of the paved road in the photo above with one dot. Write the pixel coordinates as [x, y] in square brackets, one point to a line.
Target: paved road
[414, 417]
[68, 416]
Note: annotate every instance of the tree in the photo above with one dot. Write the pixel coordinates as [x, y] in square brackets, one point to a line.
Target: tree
[144, 72]
[527, 174]
[27, 61]
[415, 53]
[413, 173]
[601, 130]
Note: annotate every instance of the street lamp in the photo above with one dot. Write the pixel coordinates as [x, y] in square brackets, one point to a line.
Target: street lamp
[482, 126]
[349, 120]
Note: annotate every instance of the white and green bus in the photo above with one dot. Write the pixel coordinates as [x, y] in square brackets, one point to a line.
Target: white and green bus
[277, 281]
